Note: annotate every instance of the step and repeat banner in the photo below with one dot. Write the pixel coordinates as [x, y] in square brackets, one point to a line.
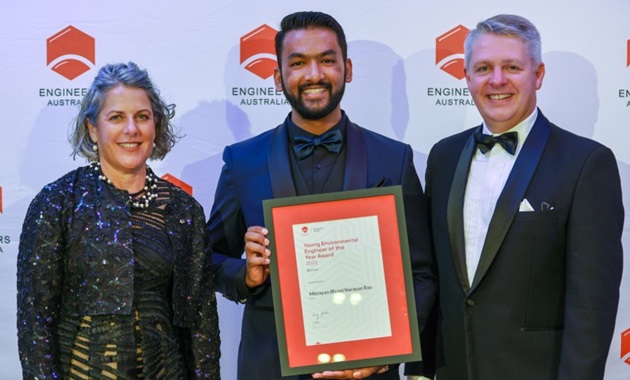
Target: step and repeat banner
[214, 60]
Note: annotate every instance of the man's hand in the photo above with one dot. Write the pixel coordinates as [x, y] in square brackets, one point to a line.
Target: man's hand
[359, 373]
[257, 256]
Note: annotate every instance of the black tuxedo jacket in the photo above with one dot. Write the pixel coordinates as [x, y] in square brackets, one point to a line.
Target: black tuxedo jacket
[543, 301]
[258, 169]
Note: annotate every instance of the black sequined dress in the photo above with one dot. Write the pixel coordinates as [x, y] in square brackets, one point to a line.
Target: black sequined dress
[141, 345]
[105, 297]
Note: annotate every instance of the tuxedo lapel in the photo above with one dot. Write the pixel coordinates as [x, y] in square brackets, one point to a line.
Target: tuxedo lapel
[355, 176]
[355, 172]
[455, 211]
[278, 162]
[513, 194]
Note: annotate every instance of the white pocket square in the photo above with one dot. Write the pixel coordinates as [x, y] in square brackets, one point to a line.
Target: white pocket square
[525, 206]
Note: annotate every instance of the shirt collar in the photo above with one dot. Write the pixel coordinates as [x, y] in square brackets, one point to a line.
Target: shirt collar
[522, 129]
[293, 130]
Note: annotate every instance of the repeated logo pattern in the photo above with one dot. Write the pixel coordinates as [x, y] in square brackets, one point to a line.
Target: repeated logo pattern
[449, 51]
[178, 182]
[70, 52]
[256, 48]
[625, 346]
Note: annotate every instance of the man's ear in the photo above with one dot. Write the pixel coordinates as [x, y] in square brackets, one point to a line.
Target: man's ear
[277, 79]
[348, 70]
[540, 74]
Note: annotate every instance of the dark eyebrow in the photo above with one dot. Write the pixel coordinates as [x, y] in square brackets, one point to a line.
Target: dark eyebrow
[322, 54]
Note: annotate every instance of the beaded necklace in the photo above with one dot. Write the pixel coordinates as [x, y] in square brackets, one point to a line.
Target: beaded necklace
[148, 191]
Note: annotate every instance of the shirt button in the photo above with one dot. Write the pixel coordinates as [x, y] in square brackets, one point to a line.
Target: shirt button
[470, 302]
[318, 166]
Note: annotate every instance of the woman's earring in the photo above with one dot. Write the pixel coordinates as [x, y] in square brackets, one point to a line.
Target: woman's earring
[95, 148]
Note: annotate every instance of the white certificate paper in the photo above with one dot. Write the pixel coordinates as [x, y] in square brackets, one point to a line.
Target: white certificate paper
[341, 279]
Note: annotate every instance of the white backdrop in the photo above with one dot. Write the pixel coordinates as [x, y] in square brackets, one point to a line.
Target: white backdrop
[193, 51]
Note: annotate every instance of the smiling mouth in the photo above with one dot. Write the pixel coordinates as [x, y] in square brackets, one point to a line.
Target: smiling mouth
[313, 91]
[315, 88]
[129, 145]
[499, 96]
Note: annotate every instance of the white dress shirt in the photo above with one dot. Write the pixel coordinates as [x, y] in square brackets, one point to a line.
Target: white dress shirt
[487, 176]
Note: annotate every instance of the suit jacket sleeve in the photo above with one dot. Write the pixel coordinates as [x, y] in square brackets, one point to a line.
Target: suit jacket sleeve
[594, 265]
[419, 241]
[39, 284]
[422, 265]
[227, 230]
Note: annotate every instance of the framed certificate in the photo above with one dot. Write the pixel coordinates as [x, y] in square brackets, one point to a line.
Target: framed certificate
[341, 280]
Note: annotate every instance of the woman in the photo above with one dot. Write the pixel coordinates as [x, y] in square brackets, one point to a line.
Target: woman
[114, 277]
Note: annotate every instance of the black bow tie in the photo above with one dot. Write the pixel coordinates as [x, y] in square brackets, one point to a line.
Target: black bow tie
[509, 141]
[330, 140]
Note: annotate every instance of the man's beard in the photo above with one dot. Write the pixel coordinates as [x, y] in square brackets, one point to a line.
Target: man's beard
[319, 113]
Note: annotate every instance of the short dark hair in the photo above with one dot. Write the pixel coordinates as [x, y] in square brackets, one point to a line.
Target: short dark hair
[306, 20]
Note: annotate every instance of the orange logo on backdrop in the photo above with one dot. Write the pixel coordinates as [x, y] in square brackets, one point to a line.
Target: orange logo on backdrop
[0, 199]
[178, 182]
[65, 50]
[255, 45]
[449, 49]
[625, 346]
[628, 54]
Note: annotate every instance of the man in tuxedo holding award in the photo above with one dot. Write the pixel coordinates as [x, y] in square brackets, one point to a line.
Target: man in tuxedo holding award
[317, 149]
[527, 221]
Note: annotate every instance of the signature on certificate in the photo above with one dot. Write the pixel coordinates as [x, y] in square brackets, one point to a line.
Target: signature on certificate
[319, 319]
